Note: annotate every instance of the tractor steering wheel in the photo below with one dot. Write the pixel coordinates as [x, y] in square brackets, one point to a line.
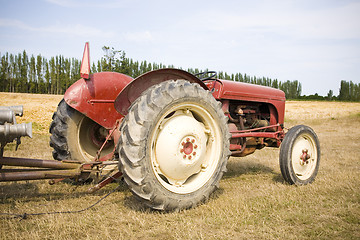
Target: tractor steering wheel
[204, 75]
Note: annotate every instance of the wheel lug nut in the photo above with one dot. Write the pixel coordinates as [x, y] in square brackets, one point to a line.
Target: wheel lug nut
[189, 157]
[184, 156]
[194, 153]
[188, 139]
[181, 150]
[183, 143]
[193, 140]
[195, 146]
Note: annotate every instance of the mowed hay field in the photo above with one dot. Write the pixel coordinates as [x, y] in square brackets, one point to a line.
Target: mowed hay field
[253, 201]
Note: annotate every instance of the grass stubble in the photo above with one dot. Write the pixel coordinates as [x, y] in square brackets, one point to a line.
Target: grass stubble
[253, 201]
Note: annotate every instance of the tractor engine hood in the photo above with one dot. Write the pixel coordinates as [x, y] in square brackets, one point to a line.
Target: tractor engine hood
[225, 89]
[239, 91]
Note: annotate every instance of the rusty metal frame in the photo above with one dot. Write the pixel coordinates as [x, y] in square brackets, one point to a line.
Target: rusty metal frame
[277, 135]
[45, 169]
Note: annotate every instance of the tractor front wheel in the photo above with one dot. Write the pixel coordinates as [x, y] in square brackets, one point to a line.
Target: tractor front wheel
[174, 145]
[300, 155]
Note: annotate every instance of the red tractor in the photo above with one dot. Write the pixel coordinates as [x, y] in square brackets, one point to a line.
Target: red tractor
[171, 132]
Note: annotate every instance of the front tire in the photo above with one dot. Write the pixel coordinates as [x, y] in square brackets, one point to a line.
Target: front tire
[300, 155]
[174, 145]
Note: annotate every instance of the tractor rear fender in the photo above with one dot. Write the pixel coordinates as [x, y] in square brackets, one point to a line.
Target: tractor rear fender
[94, 97]
[133, 90]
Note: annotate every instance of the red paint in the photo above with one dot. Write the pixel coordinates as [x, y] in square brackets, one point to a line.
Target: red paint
[235, 147]
[305, 156]
[85, 63]
[95, 97]
[257, 134]
[188, 148]
[234, 130]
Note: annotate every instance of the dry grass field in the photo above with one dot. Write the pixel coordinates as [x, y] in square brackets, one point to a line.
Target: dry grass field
[253, 201]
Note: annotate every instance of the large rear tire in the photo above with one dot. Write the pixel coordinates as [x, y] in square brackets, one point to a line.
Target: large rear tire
[300, 155]
[174, 145]
[75, 136]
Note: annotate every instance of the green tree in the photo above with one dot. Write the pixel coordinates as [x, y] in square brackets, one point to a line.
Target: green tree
[344, 92]
[110, 61]
[52, 68]
[75, 70]
[39, 74]
[47, 77]
[330, 95]
[292, 89]
[99, 67]
[357, 92]
[32, 84]
[22, 61]
[67, 74]
[13, 71]
[93, 68]
[275, 84]
[4, 73]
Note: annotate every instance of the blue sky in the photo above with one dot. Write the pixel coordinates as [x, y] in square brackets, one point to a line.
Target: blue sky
[314, 41]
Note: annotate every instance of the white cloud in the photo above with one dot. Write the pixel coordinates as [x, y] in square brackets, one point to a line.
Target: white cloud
[340, 22]
[71, 30]
[13, 23]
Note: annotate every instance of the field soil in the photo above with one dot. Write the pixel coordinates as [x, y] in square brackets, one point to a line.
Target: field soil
[253, 201]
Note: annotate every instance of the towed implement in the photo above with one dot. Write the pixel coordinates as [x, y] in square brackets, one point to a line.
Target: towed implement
[168, 133]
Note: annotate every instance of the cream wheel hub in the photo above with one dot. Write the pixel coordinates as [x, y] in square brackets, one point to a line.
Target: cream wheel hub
[304, 156]
[180, 148]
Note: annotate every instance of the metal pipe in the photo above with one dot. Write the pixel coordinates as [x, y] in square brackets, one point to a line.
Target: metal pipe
[18, 110]
[256, 134]
[28, 162]
[255, 129]
[36, 175]
[235, 147]
[7, 116]
[108, 180]
[9, 132]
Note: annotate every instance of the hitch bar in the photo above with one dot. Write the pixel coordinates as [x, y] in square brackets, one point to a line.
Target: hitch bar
[52, 169]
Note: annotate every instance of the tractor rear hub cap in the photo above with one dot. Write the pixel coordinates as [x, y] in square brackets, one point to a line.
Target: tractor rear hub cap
[186, 146]
[180, 148]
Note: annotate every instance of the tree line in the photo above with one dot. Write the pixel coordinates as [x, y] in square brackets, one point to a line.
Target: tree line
[36, 74]
[30, 74]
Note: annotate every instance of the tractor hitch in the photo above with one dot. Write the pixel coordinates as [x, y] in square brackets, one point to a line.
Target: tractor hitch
[36, 169]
